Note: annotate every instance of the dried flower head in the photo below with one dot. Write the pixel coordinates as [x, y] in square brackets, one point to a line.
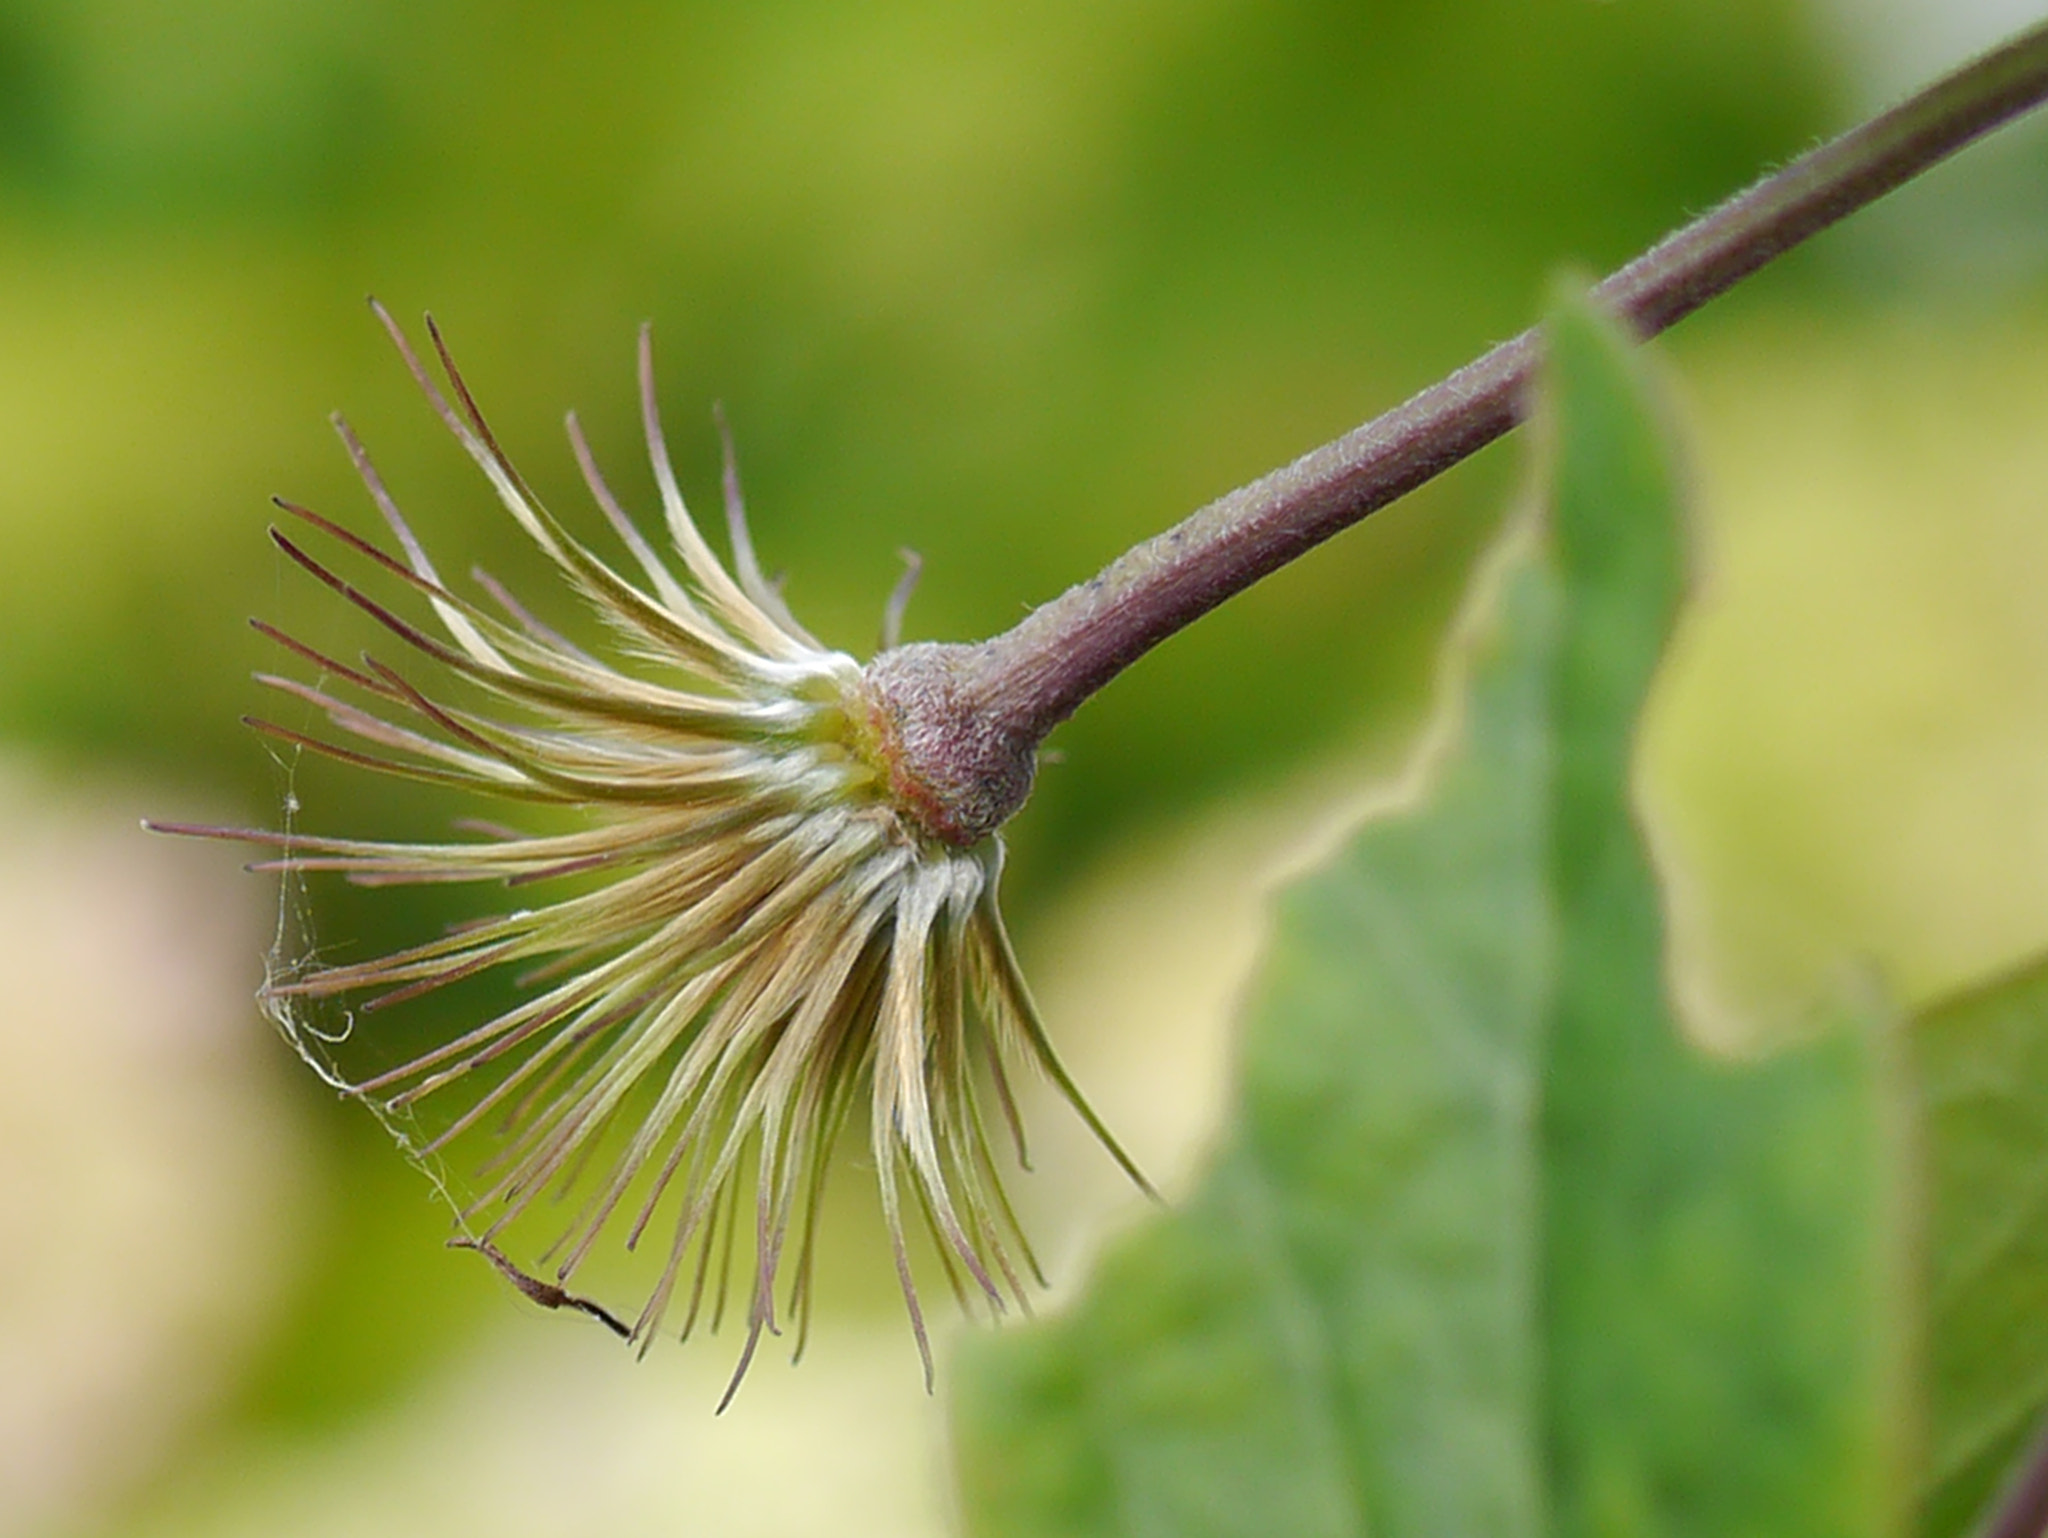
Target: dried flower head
[755, 933]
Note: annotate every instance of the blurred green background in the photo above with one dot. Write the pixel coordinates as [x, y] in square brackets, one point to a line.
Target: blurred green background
[1011, 286]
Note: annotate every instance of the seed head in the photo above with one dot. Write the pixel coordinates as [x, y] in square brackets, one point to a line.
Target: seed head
[743, 933]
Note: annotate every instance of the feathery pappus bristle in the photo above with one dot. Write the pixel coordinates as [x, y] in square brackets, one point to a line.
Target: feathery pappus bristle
[729, 939]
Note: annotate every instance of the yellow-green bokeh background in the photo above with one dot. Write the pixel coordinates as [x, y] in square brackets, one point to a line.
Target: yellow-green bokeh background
[1014, 286]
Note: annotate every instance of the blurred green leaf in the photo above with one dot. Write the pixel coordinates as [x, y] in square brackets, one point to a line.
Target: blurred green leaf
[1488, 1248]
[1715, 1286]
[1981, 1066]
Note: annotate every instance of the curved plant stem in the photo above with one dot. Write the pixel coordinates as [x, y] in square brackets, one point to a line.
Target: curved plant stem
[2023, 1509]
[1023, 683]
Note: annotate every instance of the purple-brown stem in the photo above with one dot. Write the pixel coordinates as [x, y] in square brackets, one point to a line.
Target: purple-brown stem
[969, 718]
[2022, 1510]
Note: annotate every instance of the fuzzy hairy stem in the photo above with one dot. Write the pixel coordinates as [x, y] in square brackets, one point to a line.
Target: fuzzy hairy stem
[969, 718]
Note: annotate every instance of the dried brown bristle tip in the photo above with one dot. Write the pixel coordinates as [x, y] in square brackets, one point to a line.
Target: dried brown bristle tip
[739, 934]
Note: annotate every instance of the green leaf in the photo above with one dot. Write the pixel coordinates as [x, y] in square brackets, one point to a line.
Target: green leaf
[1487, 1248]
[1981, 1067]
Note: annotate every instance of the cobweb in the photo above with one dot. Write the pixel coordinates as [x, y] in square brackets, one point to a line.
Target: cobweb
[317, 1029]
